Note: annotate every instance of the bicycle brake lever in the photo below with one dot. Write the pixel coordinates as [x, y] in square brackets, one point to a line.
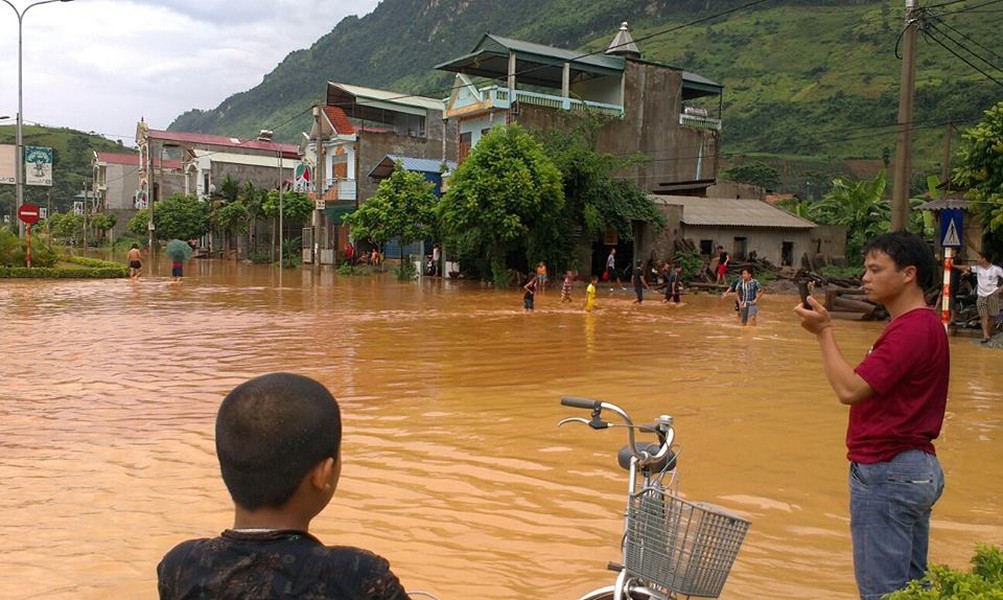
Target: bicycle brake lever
[572, 420]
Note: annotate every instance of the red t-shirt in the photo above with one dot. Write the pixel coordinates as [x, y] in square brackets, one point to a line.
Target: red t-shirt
[908, 367]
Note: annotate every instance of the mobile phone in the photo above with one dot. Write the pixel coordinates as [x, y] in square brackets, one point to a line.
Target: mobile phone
[805, 292]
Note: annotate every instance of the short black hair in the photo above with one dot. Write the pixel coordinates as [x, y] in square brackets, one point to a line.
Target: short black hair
[270, 431]
[750, 269]
[906, 250]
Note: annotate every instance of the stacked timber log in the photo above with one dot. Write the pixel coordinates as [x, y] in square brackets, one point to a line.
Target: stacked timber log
[851, 304]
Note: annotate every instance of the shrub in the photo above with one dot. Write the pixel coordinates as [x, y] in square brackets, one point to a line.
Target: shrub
[983, 582]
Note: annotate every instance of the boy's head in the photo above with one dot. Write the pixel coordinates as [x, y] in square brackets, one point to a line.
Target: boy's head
[748, 273]
[906, 250]
[270, 432]
[595, 278]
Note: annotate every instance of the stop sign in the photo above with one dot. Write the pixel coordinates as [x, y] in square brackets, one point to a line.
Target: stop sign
[28, 213]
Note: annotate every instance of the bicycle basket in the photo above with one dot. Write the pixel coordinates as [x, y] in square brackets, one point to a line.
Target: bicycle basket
[682, 547]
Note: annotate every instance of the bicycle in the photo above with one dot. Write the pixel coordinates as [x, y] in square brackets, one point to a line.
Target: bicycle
[671, 548]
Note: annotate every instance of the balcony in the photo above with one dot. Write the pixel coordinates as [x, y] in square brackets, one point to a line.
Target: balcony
[503, 98]
[698, 118]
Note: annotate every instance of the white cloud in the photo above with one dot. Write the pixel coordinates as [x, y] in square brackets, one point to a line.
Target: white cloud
[100, 65]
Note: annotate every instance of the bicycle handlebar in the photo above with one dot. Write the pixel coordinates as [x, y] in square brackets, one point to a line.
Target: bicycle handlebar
[579, 402]
[663, 427]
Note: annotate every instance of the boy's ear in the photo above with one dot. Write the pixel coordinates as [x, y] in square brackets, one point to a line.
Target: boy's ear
[324, 476]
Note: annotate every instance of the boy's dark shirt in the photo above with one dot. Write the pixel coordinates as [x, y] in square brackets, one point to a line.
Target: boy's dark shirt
[274, 564]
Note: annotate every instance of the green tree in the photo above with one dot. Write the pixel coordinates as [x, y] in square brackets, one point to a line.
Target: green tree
[506, 196]
[139, 223]
[403, 208]
[797, 207]
[67, 227]
[103, 222]
[296, 206]
[755, 173]
[860, 206]
[595, 200]
[180, 217]
[980, 171]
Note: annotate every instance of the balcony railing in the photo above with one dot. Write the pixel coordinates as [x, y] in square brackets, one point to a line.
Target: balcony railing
[699, 122]
[347, 190]
[500, 97]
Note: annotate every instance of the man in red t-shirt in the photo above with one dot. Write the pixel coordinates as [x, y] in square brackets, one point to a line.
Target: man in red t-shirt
[897, 397]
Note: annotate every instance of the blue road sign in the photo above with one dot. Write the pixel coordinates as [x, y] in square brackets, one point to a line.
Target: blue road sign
[950, 227]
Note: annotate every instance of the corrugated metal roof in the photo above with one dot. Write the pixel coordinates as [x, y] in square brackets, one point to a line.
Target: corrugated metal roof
[733, 212]
[388, 96]
[943, 203]
[385, 167]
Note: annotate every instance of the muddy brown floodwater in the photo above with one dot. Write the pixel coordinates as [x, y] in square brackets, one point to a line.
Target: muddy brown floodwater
[454, 467]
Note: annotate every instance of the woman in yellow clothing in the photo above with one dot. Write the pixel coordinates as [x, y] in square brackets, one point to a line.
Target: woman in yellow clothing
[590, 294]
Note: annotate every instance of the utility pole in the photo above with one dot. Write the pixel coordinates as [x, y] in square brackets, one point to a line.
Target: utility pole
[319, 193]
[903, 152]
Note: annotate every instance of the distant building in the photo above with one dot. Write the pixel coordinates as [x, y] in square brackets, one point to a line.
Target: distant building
[657, 110]
[206, 160]
[351, 134]
[746, 227]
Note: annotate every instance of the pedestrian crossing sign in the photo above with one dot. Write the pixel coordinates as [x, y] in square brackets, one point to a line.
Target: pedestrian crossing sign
[950, 228]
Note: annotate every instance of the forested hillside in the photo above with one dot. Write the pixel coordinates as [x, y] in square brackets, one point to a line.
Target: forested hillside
[807, 83]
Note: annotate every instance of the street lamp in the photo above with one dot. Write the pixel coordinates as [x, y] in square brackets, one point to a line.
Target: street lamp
[19, 153]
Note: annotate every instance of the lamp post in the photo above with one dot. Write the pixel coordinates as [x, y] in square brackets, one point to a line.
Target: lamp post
[19, 153]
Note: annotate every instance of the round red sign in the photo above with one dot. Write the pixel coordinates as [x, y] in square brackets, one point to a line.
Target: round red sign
[28, 213]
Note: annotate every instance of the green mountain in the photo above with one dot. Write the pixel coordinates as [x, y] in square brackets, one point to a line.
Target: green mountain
[807, 84]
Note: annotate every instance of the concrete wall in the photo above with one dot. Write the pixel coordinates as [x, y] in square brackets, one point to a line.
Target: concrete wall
[652, 105]
[765, 242]
[650, 126]
[373, 146]
[121, 182]
[262, 177]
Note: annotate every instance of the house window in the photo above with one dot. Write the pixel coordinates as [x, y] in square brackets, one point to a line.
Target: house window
[741, 248]
[786, 254]
[707, 247]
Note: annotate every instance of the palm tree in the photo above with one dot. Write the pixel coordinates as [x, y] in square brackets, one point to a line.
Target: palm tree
[860, 206]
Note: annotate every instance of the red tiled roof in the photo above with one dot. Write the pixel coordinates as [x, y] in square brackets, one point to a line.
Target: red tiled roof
[339, 119]
[288, 150]
[117, 158]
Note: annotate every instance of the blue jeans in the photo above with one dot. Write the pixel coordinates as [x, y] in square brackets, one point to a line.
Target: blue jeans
[890, 505]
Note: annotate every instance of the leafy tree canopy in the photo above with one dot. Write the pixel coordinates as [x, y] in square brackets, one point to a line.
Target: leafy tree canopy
[296, 206]
[981, 171]
[860, 206]
[403, 208]
[506, 196]
[180, 217]
[754, 173]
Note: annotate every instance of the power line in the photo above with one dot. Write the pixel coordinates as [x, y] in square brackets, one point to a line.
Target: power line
[933, 26]
[963, 59]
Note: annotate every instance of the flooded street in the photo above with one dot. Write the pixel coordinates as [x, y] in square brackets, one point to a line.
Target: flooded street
[454, 468]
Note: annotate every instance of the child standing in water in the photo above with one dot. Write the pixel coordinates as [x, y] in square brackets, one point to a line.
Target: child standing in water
[529, 296]
[569, 279]
[590, 294]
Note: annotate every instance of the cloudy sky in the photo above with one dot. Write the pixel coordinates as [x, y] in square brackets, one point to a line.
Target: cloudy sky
[100, 65]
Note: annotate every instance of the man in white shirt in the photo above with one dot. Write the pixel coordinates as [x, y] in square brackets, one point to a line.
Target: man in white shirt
[989, 291]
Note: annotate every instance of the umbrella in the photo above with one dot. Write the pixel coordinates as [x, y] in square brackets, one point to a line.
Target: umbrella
[178, 250]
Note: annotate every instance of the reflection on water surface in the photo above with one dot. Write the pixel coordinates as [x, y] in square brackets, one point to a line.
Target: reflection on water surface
[454, 468]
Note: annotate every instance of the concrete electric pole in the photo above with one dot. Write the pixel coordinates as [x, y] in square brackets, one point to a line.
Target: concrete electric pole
[903, 152]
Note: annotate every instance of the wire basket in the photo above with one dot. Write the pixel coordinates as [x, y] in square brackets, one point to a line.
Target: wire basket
[682, 547]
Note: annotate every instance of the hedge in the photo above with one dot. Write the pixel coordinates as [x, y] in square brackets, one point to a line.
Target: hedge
[90, 268]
